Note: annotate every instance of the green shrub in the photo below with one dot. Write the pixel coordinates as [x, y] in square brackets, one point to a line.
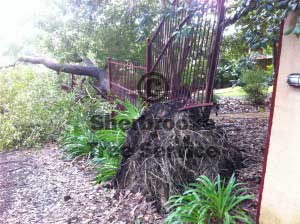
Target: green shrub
[78, 137]
[32, 107]
[130, 112]
[255, 84]
[103, 146]
[207, 202]
[107, 166]
[113, 139]
[80, 142]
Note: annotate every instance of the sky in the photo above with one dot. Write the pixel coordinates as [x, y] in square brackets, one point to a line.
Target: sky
[17, 22]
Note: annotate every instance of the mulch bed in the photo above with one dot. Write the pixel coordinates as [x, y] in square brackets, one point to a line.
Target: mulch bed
[249, 135]
[228, 105]
[40, 186]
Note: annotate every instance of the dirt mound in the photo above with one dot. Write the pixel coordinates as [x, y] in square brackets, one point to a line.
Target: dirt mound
[167, 149]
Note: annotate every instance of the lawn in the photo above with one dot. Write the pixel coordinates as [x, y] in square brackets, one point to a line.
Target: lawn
[235, 91]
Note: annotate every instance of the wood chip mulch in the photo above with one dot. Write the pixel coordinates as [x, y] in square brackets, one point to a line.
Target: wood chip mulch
[39, 186]
[249, 136]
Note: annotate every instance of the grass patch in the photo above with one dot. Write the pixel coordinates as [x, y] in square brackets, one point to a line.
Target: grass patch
[234, 92]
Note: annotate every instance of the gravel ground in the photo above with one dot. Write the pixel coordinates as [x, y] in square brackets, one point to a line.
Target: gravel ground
[39, 186]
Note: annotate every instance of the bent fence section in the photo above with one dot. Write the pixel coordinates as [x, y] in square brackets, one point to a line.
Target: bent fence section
[183, 51]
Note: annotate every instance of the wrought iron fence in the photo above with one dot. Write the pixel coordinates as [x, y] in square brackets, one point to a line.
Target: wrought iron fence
[124, 78]
[183, 53]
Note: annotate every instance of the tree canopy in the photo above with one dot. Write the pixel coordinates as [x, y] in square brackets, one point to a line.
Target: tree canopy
[99, 29]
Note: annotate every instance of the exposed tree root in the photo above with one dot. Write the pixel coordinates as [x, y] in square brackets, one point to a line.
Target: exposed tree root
[166, 149]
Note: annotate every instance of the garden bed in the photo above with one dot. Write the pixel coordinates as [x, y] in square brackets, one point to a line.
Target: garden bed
[42, 187]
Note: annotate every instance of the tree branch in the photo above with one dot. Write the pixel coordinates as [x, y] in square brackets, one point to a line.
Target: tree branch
[8, 66]
[90, 70]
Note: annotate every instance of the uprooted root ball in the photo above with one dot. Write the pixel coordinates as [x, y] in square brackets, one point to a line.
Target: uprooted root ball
[167, 149]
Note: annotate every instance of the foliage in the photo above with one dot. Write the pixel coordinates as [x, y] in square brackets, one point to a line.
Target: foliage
[107, 167]
[32, 107]
[207, 202]
[227, 73]
[129, 114]
[261, 25]
[33, 110]
[104, 145]
[113, 139]
[230, 71]
[80, 142]
[255, 84]
[98, 29]
[78, 137]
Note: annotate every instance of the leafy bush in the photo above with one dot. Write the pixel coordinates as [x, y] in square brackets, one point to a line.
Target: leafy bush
[207, 202]
[103, 146]
[80, 142]
[33, 110]
[32, 107]
[128, 114]
[255, 84]
[78, 137]
[112, 139]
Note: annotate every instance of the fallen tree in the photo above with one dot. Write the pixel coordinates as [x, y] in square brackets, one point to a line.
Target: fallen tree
[89, 69]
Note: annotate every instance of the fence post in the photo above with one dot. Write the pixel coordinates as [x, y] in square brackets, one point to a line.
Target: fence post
[148, 67]
[109, 73]
[214, 56]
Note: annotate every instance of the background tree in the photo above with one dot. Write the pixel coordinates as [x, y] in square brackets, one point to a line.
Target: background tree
[99, 29]
[234, 50]
[78, 29]
[260, 21]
